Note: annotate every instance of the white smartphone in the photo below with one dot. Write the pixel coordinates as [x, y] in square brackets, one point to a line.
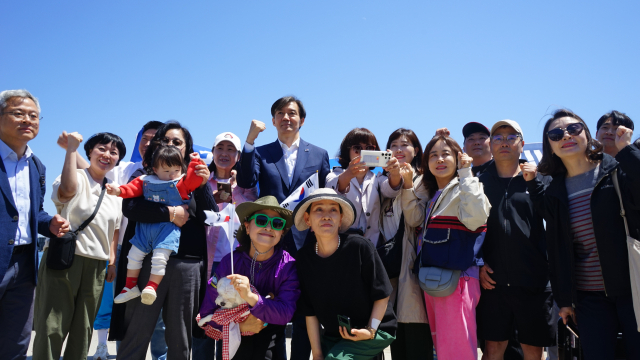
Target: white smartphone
[374, 158]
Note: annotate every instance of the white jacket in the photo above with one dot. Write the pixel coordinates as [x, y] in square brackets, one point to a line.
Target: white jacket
[367, 200]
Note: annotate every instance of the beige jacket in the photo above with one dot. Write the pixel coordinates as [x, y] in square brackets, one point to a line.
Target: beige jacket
[410, 298]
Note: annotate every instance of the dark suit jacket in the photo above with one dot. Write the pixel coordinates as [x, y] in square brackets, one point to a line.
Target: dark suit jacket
[38, 218]
[266, 167]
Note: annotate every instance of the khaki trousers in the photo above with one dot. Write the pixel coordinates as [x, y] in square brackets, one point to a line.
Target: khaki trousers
[66, 303]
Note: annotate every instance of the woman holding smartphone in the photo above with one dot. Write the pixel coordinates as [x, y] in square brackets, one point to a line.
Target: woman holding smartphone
[343, 283]
[413, 338]
[453, 232]
[586, 238]
[355, 181]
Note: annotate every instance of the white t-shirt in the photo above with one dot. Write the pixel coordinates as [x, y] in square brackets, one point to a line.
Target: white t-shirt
[93, 242]
[121, 174]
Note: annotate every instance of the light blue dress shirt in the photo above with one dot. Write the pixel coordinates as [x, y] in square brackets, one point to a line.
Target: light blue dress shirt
[18, 174]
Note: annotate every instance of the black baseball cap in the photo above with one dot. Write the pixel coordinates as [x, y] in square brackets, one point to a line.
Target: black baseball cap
[474, 127]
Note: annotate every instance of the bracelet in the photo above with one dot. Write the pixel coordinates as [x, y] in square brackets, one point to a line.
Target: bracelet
[372, 331]
[174, 214]
[111, 265]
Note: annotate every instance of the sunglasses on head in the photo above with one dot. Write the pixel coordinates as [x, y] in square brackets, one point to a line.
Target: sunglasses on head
[360, 147]
[277, 223]
[557, 134]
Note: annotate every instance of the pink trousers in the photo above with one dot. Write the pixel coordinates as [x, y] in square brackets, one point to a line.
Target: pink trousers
[453, 321]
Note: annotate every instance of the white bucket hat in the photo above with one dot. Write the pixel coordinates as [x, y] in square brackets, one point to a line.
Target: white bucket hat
[348, 210]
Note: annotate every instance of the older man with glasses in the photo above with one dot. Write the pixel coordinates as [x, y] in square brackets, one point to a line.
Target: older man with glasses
[514, 278]
[23, 185]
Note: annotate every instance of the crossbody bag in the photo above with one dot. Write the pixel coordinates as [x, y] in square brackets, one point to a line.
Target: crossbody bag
[62, 250]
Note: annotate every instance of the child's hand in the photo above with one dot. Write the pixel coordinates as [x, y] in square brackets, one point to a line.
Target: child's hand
[205, 320]
[194, 156]
[113, 190]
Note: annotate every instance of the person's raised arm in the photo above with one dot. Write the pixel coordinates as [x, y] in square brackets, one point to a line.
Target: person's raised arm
[69, 176]
[474, 205]
[249, 164]
[63, 141]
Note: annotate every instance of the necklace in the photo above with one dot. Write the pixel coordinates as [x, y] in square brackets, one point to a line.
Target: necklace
[336, 247]
[253, 261]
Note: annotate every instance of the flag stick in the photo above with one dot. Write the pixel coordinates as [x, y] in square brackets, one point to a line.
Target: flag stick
[230, 232]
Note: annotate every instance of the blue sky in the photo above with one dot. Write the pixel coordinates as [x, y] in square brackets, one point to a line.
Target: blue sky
[214, 66]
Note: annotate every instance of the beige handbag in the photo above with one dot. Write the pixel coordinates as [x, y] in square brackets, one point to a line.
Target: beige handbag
[633, 246]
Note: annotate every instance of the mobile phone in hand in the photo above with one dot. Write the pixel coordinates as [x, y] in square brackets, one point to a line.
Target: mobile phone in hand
[224, 187]
[571, 325]
[346, 322]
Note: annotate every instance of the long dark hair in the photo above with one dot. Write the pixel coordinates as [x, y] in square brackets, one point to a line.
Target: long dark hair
[428, 179]
[157, 141]
[355, 137]
[413, 139]
[551, 164]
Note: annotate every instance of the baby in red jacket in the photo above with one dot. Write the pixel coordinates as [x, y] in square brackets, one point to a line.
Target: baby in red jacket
[170, 187]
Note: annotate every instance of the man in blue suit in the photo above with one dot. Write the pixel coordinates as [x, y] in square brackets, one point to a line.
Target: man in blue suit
[22, 188]
[279, 168]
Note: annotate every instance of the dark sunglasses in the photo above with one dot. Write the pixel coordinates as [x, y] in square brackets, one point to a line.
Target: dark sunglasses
[359, 148]
[557, 134]
[262, 220]
[175, 142]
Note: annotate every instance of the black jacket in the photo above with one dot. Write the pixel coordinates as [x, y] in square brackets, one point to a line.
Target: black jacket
[514, 246]
[478, 170]
[608, 226]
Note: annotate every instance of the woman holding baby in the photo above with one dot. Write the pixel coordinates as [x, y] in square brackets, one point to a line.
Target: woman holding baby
[261, 263]
[179, 293]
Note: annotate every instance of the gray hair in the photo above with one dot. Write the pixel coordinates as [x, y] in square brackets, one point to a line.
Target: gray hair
[24, 94]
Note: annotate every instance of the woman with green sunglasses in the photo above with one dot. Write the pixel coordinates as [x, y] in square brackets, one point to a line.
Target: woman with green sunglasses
[259, 261]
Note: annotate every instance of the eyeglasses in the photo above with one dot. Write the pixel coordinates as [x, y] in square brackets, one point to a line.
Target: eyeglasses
[175, 142]
[509, 139]
[277, 223]
[359, 148]
[19, 115]
[557, 134]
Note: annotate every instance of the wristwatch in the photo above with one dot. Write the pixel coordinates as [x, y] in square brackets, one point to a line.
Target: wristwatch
[372, 331]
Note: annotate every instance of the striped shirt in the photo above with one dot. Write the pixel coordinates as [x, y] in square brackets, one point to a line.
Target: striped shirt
[587, 262]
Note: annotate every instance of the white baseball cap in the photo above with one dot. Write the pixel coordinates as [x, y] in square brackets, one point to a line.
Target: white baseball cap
[507, 122]
[228, 136]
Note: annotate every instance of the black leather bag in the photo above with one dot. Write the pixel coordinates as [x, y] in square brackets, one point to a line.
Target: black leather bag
[62, 250]
[390, 252]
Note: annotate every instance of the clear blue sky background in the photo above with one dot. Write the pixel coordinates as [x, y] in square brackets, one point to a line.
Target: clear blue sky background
[214, 65]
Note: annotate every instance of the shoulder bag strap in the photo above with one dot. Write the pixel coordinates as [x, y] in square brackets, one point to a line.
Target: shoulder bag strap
[88, 221]
[622, 213]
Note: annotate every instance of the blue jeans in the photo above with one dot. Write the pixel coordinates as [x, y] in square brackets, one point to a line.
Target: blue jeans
[599, 318]
[158, 342]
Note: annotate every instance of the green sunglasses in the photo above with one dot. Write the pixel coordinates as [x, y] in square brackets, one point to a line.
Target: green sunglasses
[277, 223]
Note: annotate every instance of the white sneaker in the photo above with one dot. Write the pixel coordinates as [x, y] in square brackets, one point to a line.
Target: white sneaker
[102, 352]
[148, 296]
[127, 295]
